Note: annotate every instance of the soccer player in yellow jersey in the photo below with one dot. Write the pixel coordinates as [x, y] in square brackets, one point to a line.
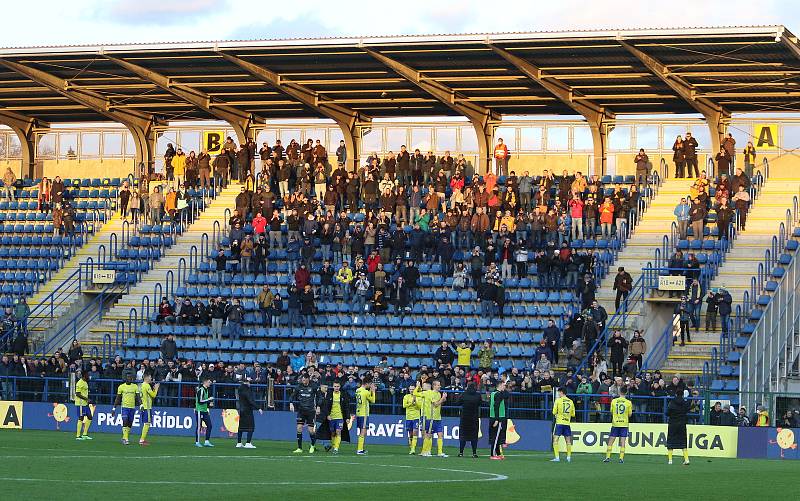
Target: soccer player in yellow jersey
[412, 403]
[82, 403]
[563, 411]
[146, 409]
[128, 396]
[334, 408]
[433, 423]
[365, 395]
[621, 409]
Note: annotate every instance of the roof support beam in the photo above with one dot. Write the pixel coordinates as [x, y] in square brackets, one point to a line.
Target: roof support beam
[483, 119]
[140, 124]
[23, 127]
[714, 114]
[348, 120]
[240, 120]
[597, 116]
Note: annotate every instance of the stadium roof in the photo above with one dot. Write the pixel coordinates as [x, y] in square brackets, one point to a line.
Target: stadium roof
[648, 71]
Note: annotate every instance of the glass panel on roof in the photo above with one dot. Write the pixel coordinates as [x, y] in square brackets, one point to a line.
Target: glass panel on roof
[671, 133]
[530, 138]
[90, 145]
[68, 145]
[395, 137]
[790, 138]
[112, 144]
[741, 133]
[14, 146]
[446, 140]
[582, 139]
[371, 141]
[130, 145]
[509, 135]
[266, 136]
[619, 139]
[703, 136]
[469, 140]
[421, 139]
[190, 141]
[646, 137]
[315, 134]
[286, 136]
[334, 136]
[558, 138]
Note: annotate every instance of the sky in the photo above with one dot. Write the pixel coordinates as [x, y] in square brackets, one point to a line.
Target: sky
[58, 22]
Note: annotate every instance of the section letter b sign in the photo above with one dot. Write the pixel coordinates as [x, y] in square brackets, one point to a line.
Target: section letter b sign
[212, 140]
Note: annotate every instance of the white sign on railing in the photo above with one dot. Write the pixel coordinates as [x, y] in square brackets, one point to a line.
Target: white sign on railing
[104, 277]
[671, 283]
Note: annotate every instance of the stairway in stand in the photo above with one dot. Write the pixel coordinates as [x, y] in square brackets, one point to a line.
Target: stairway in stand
[647, 237]
[741, 264]
[88, 250]
[192, 236]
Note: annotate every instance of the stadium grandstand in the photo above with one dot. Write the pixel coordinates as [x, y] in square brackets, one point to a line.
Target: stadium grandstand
[602, 211]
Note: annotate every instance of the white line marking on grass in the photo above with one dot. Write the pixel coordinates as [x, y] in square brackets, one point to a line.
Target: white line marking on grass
[486, 477]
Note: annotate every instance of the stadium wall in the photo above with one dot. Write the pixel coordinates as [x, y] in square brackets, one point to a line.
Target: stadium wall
[87, 168]
[523, 435]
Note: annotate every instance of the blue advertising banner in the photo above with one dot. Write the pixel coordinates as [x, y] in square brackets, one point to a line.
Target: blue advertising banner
[272, 425]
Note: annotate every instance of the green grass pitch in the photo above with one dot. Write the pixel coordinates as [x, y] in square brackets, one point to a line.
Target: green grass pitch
[52, 465]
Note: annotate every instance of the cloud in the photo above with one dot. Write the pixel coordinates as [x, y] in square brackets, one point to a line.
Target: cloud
[302, 27]
[159, 12]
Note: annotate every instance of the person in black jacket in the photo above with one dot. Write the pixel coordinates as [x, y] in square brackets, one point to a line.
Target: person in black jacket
[724, 301]
[586, 290]
[618, 346]
[335, 411]
[690, 155]
[552, 335]
[677, 412]
[469, 422]
[444, 355]
[247, 424]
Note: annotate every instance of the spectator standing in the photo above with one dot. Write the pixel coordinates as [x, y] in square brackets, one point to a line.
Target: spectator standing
[689, 148]
[678, 157]
[724, 302]
[637, 347]
[623, 283]
[749, 159]
[642, 162]
[470, 402]
[682, 218]
[618, 346]
[501, 158]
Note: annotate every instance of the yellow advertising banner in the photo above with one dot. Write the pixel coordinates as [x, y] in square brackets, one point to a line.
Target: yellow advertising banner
[765, 136]
[706, 441]
[10, 415]
[213, 140]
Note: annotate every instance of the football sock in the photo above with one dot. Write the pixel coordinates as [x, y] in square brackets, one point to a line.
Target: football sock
[608, 452]
[439, 445]
[413, 443]
[335, 441]
[360, 443]
[86, 423]
[686, 454]
[145, 429]
[78, 432]
[669, 455]
[426, 445]
[622, 452]
[569, 450]
[313, 439]
[300, 440]
[555, 449]
[125, 432]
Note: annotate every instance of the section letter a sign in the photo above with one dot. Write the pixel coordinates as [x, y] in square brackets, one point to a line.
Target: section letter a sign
[765, 136]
